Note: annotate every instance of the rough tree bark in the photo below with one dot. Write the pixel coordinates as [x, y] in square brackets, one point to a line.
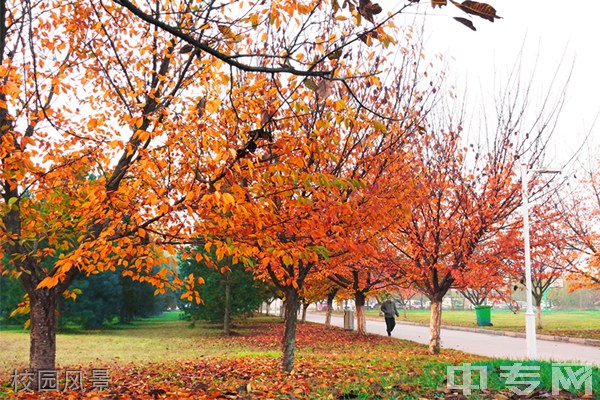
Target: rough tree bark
[304, 308]
[330, 298]
[361, 322]
[289, 330]
[435, 326]
[42, 351]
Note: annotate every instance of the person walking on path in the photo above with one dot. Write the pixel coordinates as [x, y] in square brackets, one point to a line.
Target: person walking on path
[388, 308]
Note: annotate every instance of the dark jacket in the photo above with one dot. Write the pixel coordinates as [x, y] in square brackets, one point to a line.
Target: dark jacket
[388, 308]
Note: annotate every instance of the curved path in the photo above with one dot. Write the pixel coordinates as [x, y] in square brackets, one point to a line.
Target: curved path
[479, 343]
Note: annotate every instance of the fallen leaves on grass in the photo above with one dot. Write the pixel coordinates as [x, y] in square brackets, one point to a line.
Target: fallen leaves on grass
[330, 364]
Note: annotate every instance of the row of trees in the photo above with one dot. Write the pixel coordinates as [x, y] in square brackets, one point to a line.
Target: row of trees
[101, 300]
[307, 141]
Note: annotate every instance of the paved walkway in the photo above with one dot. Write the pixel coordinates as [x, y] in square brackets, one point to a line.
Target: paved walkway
[479, 343]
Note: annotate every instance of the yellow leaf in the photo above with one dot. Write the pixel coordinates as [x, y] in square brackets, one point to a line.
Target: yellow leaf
[49, 282]
[287, 260]
[228, 33]
[379, 126]
[228, 198]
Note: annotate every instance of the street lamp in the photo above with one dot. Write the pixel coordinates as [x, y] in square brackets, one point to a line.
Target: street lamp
[529, 314]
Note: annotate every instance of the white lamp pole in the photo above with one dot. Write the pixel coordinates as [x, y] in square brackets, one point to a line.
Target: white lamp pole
[529, 314]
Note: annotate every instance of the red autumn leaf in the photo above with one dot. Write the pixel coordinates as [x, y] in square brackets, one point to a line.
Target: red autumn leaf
[438, 3]
[325, 88]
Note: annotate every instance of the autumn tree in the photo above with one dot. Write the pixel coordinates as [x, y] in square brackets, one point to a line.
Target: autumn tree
[81, 99]
[92, 90]
[296, 193]
[465, 193]
[450, 216]
[404, 295]
[578, 205]
[316, 288]
[551, 255]
[360, 276]
[141, 95]
[499, 265]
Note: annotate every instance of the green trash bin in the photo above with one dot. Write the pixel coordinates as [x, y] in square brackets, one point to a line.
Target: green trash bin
[484, 315]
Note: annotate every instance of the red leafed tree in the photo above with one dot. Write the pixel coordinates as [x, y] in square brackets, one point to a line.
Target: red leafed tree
[316, 288]
[551, 255]
[579, 209]
[496, 266]
[463, 197]
[364, 271]
[81, 106]
[115, 134]
[118, 122]
[404, 296]
[453, 211]
[296, 193]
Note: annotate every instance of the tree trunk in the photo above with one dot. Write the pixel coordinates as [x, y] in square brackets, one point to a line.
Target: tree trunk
[539, 316]
[304, 308]
[435, 326]
[328, 317]
[330, 298]
[289, 330]
[227, 316]
[361, 321]
[42, 351]
[404, 308]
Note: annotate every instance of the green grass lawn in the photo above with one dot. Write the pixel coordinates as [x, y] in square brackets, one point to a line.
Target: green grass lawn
[563, 323]
[149, 340]
[165, 358]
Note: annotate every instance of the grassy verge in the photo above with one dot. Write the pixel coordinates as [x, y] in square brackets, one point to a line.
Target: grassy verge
[164, 358]
[164, 338]
[583, 324]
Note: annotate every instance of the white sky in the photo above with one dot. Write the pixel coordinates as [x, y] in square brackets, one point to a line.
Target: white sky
[549, 31]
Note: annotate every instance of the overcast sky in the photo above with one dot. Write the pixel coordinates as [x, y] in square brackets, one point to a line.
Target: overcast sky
[548, 31]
